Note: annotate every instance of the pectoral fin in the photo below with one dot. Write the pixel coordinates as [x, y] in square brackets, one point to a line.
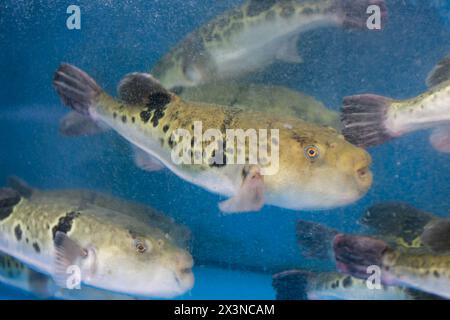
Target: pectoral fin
[250, 197]
[440, 139]
[75, 124]
[146, 162]
[68, 254]
[288, 51]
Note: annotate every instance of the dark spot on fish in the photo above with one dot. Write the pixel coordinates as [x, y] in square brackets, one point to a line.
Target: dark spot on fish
[161, 141]
[157, 104]
[27, 240]
[436, 274]
[133, 119]
[18, 232]
[220, 160]
[65, 223]
[171, 142]
[230, 114]
[166, 128]
[158, 100]
[257, 7]
[347, 282]
[124, 118]
[36, 247]
[114, 115]
[245, 172]
[145, 116]
[333, 285]
[192, 142]
[302, 140]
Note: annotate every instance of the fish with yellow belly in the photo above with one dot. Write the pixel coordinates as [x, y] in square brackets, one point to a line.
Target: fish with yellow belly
[254, 35]
[316, 167]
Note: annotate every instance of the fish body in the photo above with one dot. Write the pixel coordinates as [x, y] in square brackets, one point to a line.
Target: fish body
[149, 117]
[111, 250]
[301, 285]
[370, 119]
[18, 275]
[418, 269]
[252, 36]
[271, 99]
[79, 197]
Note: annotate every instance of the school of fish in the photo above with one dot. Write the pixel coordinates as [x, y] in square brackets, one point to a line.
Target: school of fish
[314, 159]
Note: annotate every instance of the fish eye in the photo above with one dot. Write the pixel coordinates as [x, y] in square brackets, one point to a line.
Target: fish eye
[140, 246]
[312, 153]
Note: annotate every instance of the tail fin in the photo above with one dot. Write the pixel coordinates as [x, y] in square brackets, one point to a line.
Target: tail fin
[291, 285]
[354, 254]
[315, 240]
[354, 12]
[76, 88]
[363, 119]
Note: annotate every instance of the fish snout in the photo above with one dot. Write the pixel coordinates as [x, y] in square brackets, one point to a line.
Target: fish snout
[364, 176]
[183, 263]
[357, 164]
[183, 270]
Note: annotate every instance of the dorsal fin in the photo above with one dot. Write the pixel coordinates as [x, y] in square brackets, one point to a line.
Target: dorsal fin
[142, 88]
[436, 236]
[396, 219]
[440, 73]
[20, 186]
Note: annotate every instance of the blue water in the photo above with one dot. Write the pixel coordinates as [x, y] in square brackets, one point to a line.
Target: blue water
[121, 37]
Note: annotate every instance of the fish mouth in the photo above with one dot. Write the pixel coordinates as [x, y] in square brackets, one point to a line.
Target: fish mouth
[362, 173]
[184, 279]
[355, 254]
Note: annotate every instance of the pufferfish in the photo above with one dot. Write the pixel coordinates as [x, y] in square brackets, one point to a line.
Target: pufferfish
[315, 167]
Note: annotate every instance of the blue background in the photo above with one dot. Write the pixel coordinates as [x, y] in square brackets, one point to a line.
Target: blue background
[118, 37]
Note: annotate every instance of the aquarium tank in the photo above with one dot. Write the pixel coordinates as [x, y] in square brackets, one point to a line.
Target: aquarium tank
[217, 150]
